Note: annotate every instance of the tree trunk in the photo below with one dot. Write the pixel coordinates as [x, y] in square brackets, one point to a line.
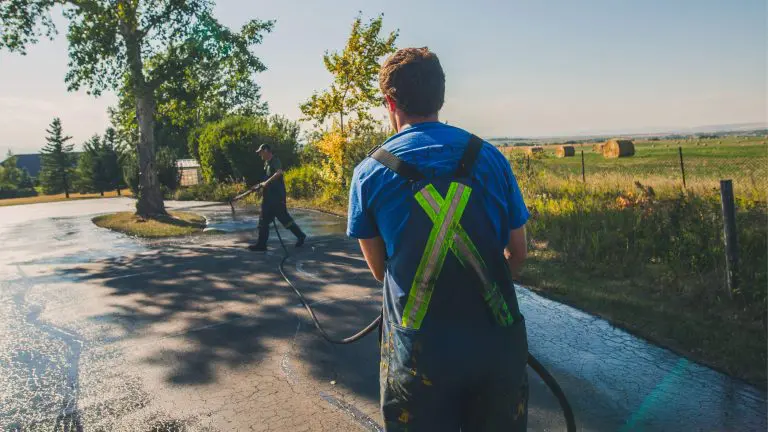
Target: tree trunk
[150, 202]
[118, 192]
[150, 199]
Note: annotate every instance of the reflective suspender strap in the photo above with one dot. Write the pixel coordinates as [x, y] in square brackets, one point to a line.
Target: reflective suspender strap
[438, 244]
[466, 252]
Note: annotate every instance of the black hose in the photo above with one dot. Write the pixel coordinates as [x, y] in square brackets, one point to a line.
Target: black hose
[554, 387]
[354, 338]
[549, 380]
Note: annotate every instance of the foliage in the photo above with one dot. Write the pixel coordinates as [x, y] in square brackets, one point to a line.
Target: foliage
[99, 166]
[304, 182]
[14, 182]
[340, 153]
[219, 82]
[228, 148]
[167, 171]
[144, 43]
[13, 177]
[58, 161]
[210, 192]
[354, 71]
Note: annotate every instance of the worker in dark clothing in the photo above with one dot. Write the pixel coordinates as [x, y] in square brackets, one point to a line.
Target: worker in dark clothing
[441, 221]
[273, 201]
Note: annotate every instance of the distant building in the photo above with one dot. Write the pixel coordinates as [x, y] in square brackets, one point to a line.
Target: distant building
[189, 170]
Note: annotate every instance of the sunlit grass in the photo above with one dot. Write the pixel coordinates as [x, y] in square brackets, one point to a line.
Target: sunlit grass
[60, 197]
[175, 224]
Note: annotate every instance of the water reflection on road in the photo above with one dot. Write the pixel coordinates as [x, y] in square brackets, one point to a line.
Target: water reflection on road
[614, 380]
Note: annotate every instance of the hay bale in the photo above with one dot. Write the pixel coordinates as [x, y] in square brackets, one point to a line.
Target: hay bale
[565, 151]
[616, 148]
[535, 150]
[598, 147]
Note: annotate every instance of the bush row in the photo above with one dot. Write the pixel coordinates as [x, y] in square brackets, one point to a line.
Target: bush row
[8, 191]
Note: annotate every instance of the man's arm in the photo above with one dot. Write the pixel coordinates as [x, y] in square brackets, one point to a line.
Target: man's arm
[375, 254]
[275, 176]
[516, 250]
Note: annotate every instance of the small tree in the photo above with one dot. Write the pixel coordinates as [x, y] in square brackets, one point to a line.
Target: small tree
[88, 167]
[57, 161]
[111, 160]
[355, 70]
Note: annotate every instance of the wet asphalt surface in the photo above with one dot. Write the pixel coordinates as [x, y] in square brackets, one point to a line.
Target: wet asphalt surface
[103, 332]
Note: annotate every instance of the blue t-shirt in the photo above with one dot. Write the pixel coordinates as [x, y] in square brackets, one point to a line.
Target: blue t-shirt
[380, 202]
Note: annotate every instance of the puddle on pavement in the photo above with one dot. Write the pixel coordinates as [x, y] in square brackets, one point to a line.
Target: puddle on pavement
[312, 223]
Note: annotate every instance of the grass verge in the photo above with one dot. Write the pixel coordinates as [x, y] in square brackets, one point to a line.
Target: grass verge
[175, 224]
[719, 338]
[60, 197]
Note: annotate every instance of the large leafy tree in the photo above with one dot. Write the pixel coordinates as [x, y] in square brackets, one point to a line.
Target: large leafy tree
[354, 70]
[111, 41]
[58, 161]
[218, 83]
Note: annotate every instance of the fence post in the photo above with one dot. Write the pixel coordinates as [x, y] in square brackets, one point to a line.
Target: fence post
[730, 235]
[682, 166]
[583, 177]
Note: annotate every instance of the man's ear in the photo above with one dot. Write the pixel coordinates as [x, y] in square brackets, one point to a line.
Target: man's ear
[390, 103]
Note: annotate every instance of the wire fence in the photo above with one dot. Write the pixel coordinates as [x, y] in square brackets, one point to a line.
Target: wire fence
[696, 165]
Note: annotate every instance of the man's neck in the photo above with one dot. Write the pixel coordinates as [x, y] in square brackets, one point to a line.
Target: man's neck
[412, 121]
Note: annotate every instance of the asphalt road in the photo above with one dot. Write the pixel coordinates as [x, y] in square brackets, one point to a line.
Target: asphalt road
[103, 332]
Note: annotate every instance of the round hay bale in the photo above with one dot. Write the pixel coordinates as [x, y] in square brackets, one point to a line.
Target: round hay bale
[535, 150]
[616, 148]
[565, 151]
[598, 147]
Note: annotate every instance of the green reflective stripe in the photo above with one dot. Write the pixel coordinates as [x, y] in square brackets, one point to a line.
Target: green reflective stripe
[434, 255]
[462, 247]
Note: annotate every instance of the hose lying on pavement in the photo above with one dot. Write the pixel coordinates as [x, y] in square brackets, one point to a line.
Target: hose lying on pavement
[549, 380]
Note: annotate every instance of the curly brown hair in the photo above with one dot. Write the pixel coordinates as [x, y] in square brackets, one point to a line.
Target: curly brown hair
[414, 78]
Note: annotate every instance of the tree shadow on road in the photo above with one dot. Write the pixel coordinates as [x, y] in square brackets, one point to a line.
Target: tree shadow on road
[225, 305]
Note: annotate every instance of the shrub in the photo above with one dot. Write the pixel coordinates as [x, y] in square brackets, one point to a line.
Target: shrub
[304, 182]
[167, 172]
[227, 148]
[210, 192]
[10, 191]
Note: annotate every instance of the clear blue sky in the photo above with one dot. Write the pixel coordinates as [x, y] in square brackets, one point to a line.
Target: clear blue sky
[513, 68]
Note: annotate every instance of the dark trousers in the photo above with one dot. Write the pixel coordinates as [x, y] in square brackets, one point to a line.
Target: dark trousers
[271, 210]
[440, 383]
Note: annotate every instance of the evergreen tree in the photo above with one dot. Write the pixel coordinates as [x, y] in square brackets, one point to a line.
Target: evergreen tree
[111, 160]
[57, 170]
[98, 168]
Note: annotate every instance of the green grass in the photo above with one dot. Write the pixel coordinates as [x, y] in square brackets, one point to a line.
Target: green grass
[722, 336]
[657, 163]
[654, 264]
[173, 225]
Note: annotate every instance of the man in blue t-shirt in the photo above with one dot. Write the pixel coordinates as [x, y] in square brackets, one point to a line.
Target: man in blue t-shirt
[441, 221]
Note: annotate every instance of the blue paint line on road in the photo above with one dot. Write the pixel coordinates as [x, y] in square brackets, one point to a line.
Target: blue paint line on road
[655, 397]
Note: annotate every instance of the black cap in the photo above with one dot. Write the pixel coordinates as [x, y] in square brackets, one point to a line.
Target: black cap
[264, 147]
